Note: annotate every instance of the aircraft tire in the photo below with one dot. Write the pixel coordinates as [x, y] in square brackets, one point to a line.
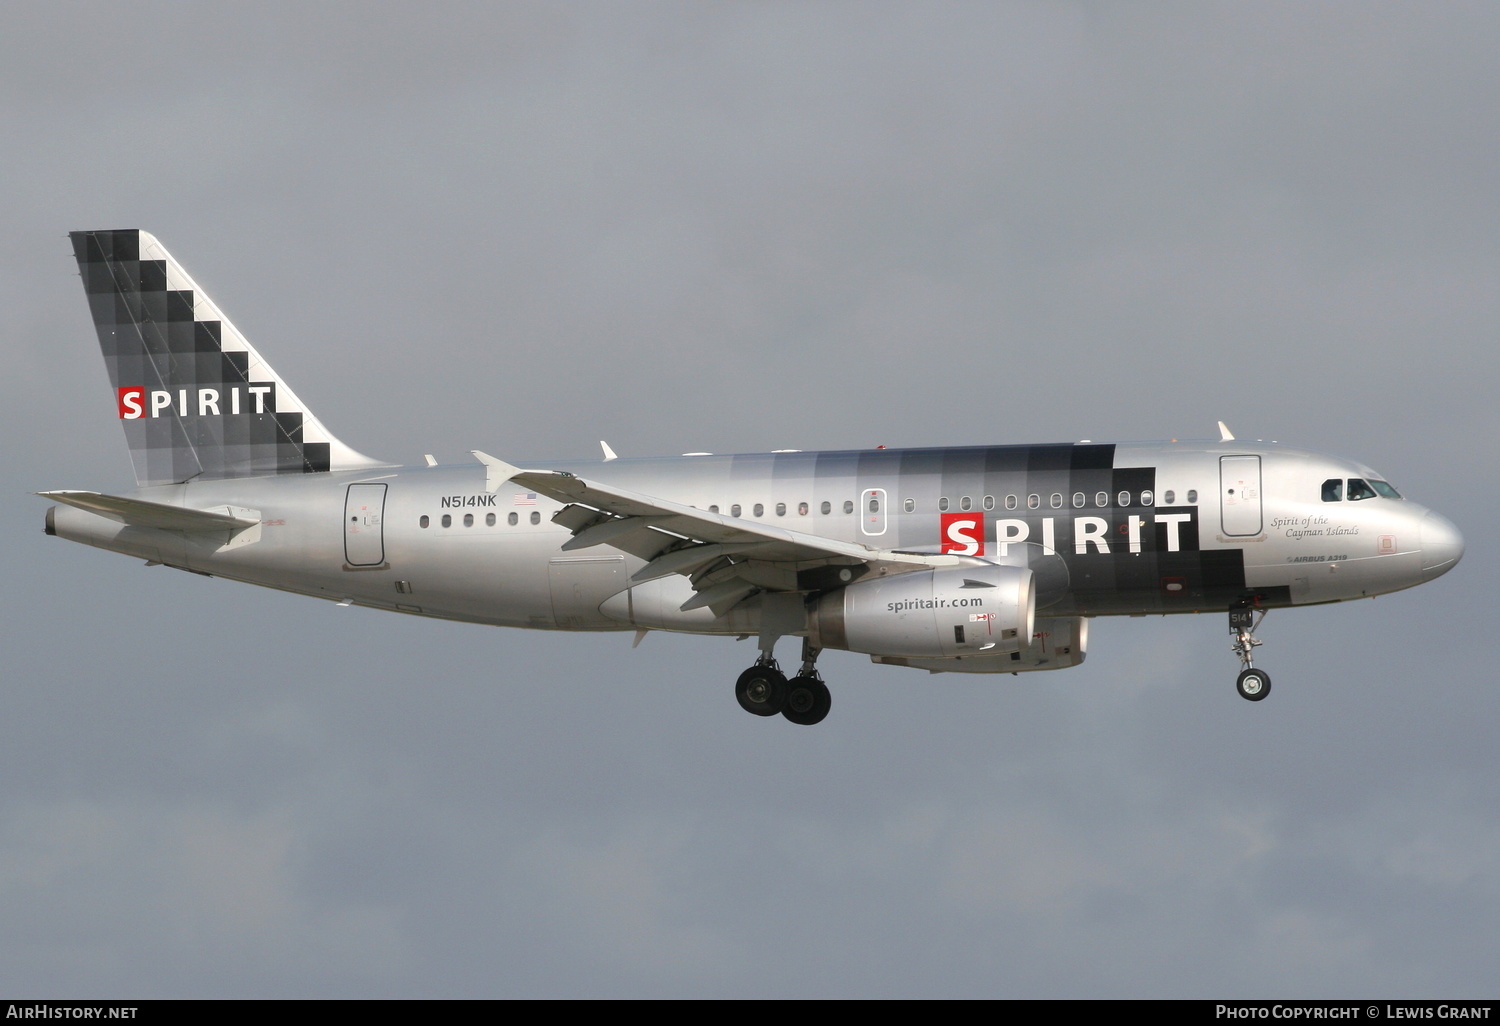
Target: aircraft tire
[761, 690]
[1253, 685]
[807, 701]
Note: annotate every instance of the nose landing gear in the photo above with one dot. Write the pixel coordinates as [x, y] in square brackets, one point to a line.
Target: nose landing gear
[1252, 684]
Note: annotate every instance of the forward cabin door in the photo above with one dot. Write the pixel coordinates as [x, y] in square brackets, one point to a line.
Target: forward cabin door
[364, 534]
[1239, 495]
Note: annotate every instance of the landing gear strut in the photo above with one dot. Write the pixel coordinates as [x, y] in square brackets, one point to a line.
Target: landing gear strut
[764, 690]
[1252, 684]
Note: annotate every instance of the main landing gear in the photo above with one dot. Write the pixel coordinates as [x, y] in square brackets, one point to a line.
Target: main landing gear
[1252, 684]
[765, 691]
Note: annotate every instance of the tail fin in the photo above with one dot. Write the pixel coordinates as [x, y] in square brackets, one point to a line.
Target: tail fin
[194, 397]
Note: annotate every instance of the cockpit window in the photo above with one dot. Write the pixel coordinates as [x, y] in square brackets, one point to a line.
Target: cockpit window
[1358, 489]
[1385, 490]
[1333, 490]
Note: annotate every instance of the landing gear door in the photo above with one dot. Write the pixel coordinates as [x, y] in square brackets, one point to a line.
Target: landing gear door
[364, 532]
[1239, 495]
[872, 511]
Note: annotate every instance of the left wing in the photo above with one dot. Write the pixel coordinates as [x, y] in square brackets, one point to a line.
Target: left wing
[726, 558]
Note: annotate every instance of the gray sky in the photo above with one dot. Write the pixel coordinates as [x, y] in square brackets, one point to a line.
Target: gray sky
[736, 227]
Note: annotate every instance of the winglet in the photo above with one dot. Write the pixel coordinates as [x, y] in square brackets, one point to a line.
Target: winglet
[496, 471]
[1224, 434]
[609, 454]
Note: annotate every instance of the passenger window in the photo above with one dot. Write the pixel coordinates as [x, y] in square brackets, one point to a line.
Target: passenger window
[536, 518]
[1333, 490]
[943, 504]
[1010, 502]
[489, 520]
[1359, 490]
[512, 520]
[909, 505]
[826, 508]
[1101, 499]
[848, 505]
[965, 503]
[1079, 499]
[1123, 498]
[874, 505]
[989, 502]
[447, 520]
[734, 510]
[1192, 495]
[781, 509]
[424, 521]
[713, 509]
[468, 520]
[802, 509]
[1169, 497]
[1057, 500]
[1033, 501]
[1146, 497]
[759, 510]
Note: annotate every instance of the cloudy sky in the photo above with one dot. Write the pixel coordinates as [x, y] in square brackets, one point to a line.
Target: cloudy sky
[736, 227]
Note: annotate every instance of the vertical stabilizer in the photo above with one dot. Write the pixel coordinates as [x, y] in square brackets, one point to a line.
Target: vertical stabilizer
[194, 397]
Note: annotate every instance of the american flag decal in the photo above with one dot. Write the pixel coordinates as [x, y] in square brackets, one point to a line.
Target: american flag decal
[525, 499]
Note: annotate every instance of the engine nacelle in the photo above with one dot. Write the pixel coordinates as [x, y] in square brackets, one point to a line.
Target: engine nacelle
[1056, 644]
[961, 611]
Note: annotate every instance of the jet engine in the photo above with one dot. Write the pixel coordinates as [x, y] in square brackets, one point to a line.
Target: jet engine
[1057, 643]
[929, 614]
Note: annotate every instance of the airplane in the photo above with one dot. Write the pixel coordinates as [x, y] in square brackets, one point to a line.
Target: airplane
[981, 559]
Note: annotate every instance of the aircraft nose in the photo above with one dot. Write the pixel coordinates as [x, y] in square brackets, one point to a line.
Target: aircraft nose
[1442, 546]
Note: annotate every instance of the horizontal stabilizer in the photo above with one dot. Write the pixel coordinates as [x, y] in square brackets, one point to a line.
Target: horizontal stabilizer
[140, 513]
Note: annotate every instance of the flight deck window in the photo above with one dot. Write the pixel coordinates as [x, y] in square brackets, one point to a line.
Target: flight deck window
[512, 520]
[1385, 489]
[1333, 490]
[424, 521]
[826, 508]
[910, 505]
[943, 504]
[1359, 490]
